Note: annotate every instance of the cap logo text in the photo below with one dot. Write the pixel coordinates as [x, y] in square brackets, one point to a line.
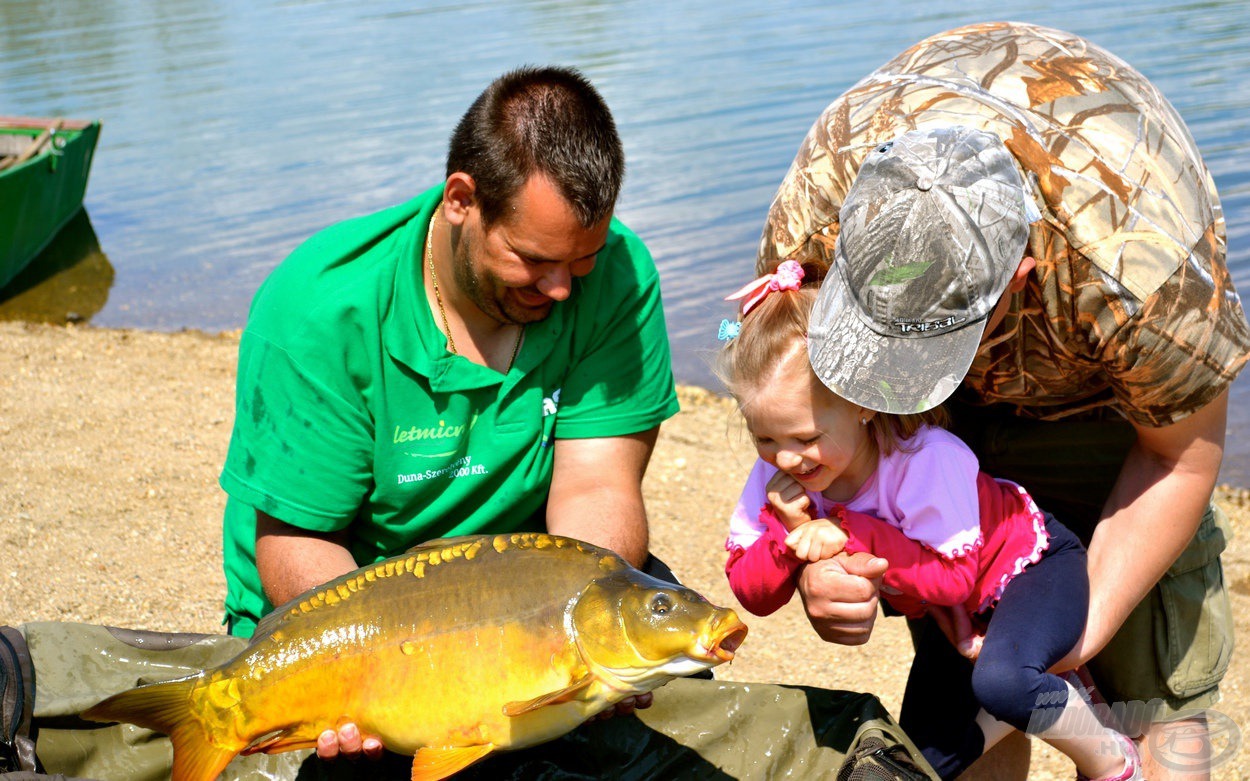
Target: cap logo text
[924, 327]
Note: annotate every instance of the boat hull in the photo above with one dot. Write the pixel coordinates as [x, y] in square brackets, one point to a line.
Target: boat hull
[40, 195]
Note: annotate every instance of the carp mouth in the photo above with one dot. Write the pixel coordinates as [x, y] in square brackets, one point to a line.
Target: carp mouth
[728, 638]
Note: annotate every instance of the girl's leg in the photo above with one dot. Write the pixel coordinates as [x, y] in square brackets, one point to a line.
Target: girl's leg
[1039, 619]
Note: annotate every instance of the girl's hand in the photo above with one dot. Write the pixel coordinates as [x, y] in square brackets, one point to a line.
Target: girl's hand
[789, 501]
[817, 540]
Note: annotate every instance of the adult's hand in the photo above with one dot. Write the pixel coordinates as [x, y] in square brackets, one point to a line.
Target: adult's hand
[291, 561]
[956, 624]
[349, 743]
[626, 706]
[840, 596]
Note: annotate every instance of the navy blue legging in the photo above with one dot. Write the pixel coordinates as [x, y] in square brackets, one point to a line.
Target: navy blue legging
[1038, 620]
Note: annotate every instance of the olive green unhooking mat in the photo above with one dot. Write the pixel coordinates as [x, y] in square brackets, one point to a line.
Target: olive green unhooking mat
[696, 729]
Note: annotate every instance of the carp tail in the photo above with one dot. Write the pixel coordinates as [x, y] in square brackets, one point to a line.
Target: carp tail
[165, 707]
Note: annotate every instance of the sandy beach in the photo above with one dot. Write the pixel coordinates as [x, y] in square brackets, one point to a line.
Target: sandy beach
[110, 446]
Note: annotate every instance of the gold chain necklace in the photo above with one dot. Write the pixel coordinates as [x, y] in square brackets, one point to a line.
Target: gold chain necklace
[438, 298]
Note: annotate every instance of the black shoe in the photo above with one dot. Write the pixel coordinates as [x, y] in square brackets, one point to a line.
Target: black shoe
[17, 703]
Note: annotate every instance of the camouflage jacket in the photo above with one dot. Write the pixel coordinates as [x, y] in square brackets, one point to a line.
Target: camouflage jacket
[1131, 307]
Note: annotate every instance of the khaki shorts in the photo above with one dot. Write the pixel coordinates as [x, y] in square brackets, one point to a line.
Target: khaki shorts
[1174, 648]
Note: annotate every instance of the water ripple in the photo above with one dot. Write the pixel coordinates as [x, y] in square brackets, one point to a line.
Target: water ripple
[233, 129]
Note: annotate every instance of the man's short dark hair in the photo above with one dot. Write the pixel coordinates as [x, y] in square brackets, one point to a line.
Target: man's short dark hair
[546, 120]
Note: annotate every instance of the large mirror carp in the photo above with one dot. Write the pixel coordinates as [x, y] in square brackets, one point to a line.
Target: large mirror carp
[456, 649]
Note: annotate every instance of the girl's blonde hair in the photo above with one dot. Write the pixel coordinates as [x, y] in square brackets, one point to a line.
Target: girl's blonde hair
[775, 332]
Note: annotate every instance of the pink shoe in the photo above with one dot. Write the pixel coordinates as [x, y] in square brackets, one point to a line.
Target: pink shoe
[1132, 763]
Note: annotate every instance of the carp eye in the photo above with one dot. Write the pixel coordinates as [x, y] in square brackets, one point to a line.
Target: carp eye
[661, 604]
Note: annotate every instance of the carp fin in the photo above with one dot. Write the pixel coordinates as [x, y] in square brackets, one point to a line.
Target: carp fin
[442, 542]
[567, 694]
[269, 624]
[276, 744]
[166, 707]
[432, 764]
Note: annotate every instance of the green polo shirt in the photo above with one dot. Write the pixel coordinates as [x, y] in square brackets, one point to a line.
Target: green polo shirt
[351, 413]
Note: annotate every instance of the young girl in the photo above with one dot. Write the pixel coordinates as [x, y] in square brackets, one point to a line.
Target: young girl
[836, 476]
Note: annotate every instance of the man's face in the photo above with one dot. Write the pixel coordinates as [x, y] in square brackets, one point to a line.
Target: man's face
[518, 267]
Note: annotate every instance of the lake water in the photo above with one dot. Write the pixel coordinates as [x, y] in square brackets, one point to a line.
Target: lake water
[233, 129]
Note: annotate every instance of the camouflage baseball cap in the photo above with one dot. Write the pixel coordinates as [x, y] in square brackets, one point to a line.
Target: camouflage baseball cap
[932, 230]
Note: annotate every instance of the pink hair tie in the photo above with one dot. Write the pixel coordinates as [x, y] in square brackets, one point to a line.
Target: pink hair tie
[789, 276]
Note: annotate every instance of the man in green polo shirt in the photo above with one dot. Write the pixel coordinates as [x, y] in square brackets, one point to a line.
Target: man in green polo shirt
[488, 357]
[466, 362]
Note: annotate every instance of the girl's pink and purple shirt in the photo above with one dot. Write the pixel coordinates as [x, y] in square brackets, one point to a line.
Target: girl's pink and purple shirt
[952, 534]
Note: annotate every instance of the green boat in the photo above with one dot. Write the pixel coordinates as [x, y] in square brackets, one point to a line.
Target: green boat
[44, 165]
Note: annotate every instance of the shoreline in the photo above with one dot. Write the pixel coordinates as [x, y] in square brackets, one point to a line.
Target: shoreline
[111, 442]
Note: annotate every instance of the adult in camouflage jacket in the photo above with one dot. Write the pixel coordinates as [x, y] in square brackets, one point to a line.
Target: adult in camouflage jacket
[1101, 381]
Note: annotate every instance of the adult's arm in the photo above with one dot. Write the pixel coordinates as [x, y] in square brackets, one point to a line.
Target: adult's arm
[596, 492]
[1152, 513]
[291, 560]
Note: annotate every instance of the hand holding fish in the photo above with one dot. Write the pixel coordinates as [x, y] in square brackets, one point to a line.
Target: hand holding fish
[347, 743]
[626, 706]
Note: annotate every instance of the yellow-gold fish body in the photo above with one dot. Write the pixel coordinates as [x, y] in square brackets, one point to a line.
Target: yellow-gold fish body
[451, 651]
